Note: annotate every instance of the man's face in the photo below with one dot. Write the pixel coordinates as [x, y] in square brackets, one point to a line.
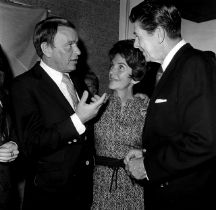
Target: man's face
[147, 43]
[65, 52]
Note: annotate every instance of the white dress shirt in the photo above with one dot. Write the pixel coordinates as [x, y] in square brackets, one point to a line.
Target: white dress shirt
[171, 54]
[56, 76]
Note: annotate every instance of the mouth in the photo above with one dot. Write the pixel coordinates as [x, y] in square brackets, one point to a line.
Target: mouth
[113, 79]
[74, 61]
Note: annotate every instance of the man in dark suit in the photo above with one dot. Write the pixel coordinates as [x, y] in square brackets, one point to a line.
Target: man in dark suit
[177, 163]
[52, 125]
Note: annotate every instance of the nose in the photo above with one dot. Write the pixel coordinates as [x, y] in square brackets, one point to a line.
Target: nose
[112, 71]
[77, 50]
[136, 43]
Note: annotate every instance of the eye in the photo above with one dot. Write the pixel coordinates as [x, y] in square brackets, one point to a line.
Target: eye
[121, 67]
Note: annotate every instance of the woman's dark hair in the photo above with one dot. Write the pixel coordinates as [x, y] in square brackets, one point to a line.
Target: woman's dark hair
[134, 57]
[153, 13]
[46, 30]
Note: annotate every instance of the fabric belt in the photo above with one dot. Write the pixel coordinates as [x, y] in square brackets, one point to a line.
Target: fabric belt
[112, 163]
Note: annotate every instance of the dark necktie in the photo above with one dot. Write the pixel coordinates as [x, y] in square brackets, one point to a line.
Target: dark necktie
[71, 90]
[159, 74]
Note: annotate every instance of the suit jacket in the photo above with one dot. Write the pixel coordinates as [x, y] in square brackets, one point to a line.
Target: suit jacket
[59, 159]
[6, 134]
[180, 133]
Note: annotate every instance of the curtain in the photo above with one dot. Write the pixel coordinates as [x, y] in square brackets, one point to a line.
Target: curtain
[17, 24]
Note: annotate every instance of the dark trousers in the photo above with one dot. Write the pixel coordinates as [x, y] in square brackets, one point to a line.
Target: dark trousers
[43, 200]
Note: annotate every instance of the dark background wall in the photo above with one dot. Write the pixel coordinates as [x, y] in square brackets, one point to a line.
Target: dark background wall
[97, 22]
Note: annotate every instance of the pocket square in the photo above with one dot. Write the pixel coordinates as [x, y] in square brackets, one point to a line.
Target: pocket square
[160, 100]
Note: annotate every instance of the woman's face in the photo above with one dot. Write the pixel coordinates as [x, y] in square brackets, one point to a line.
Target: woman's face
[119, 74]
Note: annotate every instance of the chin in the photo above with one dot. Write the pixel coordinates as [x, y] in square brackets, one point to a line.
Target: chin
[72, 67]
[111, 87]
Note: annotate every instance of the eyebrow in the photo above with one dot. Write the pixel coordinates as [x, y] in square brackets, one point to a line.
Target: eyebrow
[122, 63]
[73, 42]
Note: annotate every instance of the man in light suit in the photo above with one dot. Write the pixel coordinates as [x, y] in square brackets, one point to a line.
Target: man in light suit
[52, 130]
[177, 163]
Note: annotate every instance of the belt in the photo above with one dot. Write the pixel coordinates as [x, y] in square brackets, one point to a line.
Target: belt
[113, 163]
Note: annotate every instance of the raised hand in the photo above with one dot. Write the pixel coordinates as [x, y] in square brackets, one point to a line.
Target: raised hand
[85, 111]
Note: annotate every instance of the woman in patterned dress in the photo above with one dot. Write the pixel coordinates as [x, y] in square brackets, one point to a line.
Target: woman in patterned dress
[119, 129]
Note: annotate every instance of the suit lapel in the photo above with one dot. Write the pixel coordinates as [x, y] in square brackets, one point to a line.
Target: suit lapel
[166, 76]
[48, 86]
[169, 70]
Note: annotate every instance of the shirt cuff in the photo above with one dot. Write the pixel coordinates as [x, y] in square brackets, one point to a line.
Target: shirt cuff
[78, 124]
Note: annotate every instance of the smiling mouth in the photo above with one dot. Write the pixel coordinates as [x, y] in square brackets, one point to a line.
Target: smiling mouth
[112, 79]
[74, 61]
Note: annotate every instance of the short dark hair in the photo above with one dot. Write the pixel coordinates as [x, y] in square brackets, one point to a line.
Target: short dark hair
[134, 57]
[93, 78]
[153, 13]
[46, 30]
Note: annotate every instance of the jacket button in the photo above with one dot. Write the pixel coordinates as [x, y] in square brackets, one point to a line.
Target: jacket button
[164, 185]
[69, 142]
[87, 162]
[74, 140]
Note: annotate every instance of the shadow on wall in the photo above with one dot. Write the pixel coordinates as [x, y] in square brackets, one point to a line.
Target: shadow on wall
[82, 65]
[84, 72]
[6, 68]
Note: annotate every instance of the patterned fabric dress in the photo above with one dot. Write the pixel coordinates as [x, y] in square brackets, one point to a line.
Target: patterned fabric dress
[116, 132]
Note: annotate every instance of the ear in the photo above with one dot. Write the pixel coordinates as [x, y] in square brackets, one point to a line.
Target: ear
[134, 82]
[46, 49]
[160, 34]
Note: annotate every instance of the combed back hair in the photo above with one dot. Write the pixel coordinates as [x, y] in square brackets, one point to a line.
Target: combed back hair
[46, 30]
[133, 56]
[153, 13]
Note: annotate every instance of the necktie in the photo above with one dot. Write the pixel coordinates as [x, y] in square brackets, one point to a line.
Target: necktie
[159, 74]
[71, 90]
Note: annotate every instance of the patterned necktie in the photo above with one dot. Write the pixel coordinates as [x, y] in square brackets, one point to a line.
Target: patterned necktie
[159, 74]
[71, 90]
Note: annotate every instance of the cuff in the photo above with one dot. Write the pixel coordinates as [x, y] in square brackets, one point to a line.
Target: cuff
[80, 127]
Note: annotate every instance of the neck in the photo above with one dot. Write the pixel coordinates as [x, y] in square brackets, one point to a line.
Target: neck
[124, 95]
[170, 44]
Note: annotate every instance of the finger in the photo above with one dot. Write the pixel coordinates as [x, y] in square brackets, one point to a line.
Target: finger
[84, 97]
[93, 99]
[4, 150]
[5, 159]
[129, 156]
[100, 100]
[16, 152]
[11, 160]
[125, 161]
[97, 97]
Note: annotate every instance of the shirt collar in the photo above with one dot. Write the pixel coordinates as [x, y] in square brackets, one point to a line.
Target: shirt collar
[55, 75]
[171, 54]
